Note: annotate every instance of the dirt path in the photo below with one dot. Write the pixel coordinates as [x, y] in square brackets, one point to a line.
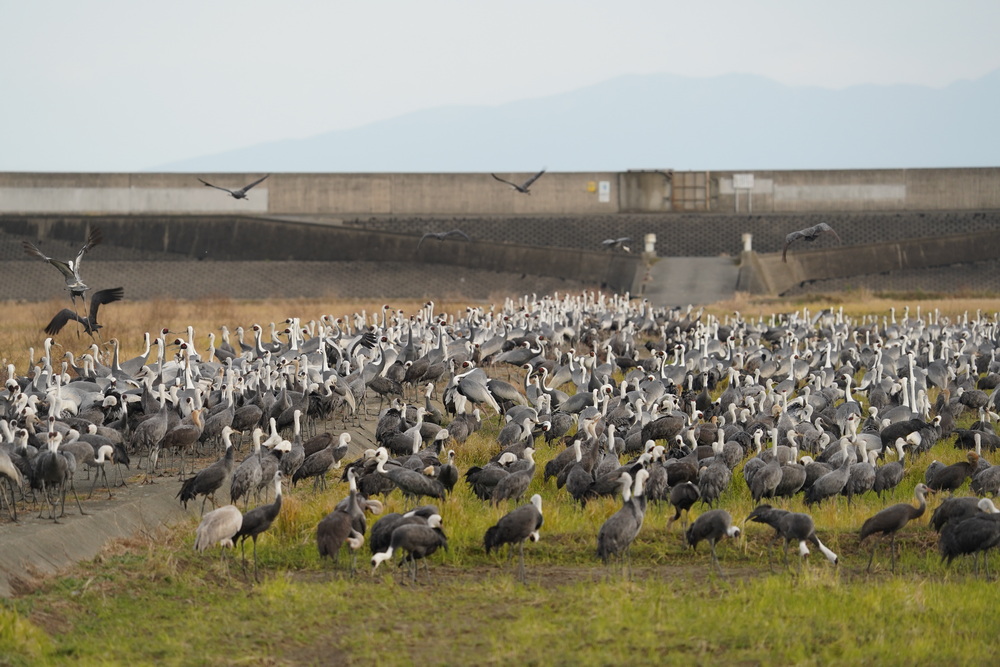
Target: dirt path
[35, 547]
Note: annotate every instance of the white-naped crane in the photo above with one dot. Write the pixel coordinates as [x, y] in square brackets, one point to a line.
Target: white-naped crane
[893, 519]
[15, 479]
[219, 526]
[71, 268]
[516, 527]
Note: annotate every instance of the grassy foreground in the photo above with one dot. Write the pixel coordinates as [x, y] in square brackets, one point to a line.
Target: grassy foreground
[153, 600]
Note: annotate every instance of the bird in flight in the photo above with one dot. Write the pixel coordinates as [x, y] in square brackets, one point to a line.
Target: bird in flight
[89, 323]
[808, 234]
[70, 269]
[236, 194]
[611, 244]
[523, 187]
[441, 236]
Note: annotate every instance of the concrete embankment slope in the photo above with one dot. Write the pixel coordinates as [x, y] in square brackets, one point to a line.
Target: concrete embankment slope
[35, 548]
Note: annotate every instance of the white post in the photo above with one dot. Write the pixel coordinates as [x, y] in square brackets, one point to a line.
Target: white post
[649, 242]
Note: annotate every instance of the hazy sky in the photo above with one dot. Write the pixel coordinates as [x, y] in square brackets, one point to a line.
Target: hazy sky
[121, 85]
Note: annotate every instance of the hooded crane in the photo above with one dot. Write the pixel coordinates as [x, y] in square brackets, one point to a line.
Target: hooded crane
[523, 187]
[241, 193]
[419, 541]
[516, 527]
[207, 481]
[713, 525]
[412, 483]
[70, 269]
[791, 526]
[515, 484]
[337, 527]
[972, 535]
[90, 324]
[258, 520]
[50, 469]
[619, 531]
[441, 236]
[683, 497]
[893, 518]
[318, 464]
[808, 234]
[381, 534]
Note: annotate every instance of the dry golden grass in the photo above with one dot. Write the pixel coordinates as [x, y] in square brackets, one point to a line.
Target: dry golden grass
[22, 331]
[855, 303]
[23, 328]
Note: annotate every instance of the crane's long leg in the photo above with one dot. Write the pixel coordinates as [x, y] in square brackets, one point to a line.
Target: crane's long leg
[715, 559]
[78, 505]
[3, 499]
[872, 556]
[93, 487]
[255, 575]
[892, 552]
[243, 555]
[521, 568]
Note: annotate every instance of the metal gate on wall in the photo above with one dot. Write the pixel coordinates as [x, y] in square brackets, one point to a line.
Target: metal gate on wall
[690, 191]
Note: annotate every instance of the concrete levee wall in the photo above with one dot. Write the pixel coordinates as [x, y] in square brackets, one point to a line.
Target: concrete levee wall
[858, 190]
[333, 195]
[308, 194]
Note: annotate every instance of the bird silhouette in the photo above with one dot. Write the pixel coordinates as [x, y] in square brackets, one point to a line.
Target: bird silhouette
[90, 324]
[236, 194]
[70, 269]
[809, 234]
[523, 187]
[611, 244]
[441, 236]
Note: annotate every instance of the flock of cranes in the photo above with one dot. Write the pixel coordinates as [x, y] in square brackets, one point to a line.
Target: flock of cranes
[658, 407]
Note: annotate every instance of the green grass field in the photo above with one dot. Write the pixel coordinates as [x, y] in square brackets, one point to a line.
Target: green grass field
[157, 601]
[154, 600]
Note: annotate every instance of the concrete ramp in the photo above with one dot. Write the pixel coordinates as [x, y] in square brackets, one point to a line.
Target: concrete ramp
[679, 281]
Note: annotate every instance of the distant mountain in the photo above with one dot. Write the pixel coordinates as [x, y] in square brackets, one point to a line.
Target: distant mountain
[659, 121]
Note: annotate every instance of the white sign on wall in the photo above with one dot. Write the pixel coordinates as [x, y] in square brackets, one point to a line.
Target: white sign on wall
[604, 192]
